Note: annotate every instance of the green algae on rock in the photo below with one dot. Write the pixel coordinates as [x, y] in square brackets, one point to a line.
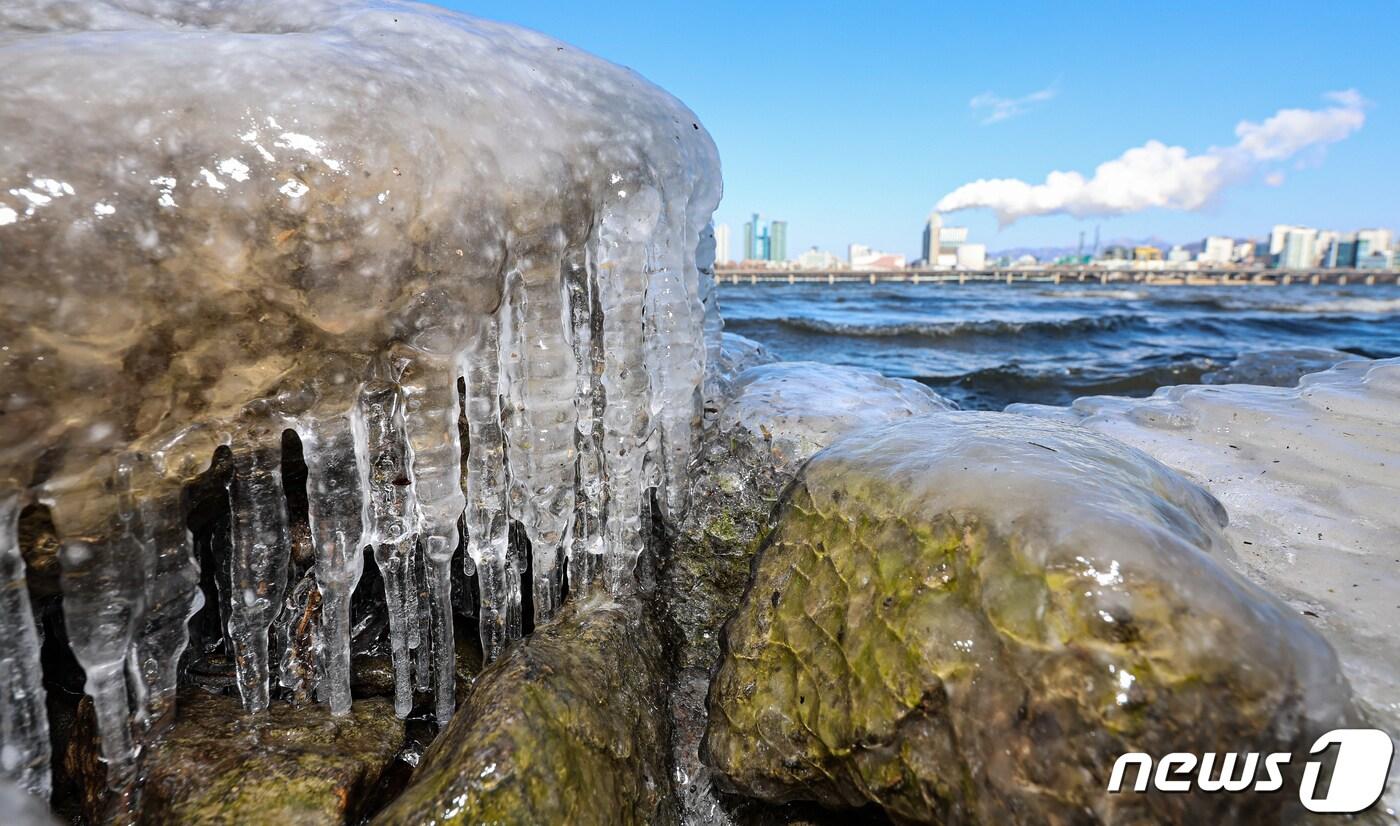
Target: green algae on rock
[567, 727]
[771, 419]
[218, 765]
[968, 617]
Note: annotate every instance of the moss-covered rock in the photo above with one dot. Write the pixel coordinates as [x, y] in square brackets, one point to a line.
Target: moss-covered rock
[220, 765]
[567, 727]
[968, 617]
[773, 419]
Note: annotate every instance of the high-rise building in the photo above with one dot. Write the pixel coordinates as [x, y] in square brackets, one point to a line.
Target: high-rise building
[1278, 235]
[1370, 241]
[765, 243]
[1340, 251]
[972, 257]
[1217, 249]
[722, 243]
[1323, 245]
[933, 229]
[1298, 250]
[940, 243]
[777, 241]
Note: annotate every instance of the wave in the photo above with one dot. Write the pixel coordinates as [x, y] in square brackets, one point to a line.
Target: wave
[1340, 306]
[1120, 295]
[996, 387]
[954, 329]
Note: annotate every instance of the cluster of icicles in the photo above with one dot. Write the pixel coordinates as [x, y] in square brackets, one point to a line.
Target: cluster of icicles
[578, 398]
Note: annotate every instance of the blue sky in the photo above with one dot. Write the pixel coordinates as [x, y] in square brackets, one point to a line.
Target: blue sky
[852, 120]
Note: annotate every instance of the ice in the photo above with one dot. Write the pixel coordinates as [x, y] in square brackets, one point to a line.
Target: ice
[538, 380]
[1310, 476]
[622, 278]
[488, 511]
[391, 509]
[365, 222]
[24, 725]
[430, 414]
[787, 411]
[336, 479]
[258, 564]
[103, 599]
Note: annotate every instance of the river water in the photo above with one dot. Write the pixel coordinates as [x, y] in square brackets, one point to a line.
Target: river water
[988, 345]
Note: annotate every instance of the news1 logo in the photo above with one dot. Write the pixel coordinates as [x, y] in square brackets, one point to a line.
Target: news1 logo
[1358, 776]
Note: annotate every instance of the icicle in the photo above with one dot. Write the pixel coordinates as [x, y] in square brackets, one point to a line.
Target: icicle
[335, 481]
[103, 598]
[172, 594]
[674, 353]
[488, 526]
[391, 509]
[299, 631]
[537, 375]
[24, 722]
[261, 548]
[621, 280]
[431, 408]
[586, 548]
[709, 299]
[422, 610]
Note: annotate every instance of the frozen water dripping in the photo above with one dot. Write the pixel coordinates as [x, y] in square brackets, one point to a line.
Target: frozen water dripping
[486, 312]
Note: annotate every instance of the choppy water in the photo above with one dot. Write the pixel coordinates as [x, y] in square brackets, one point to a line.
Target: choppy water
[989, 345]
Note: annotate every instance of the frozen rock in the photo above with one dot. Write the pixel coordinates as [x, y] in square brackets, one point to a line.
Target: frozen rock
[773, 419]
[1277, 368]
[565, 728]
[217, 765]
[1310, 476]
[790, 410]
[362, 222]
[967, 617]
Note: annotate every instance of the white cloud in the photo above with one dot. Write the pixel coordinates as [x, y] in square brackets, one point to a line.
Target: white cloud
[1290, 131]
[1155, 175]
[998, 108]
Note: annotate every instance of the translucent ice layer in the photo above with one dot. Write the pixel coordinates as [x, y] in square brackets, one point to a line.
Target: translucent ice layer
[462, 261]
[1310, 476]
[789, 410]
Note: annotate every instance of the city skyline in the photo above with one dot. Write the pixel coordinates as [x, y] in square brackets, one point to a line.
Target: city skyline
[1284, 246]
[859, 145]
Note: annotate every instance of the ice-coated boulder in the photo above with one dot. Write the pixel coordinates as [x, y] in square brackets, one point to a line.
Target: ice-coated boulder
[773, 417]
[1310, 476]
[362, 221]
[968, 617]
[567, 727]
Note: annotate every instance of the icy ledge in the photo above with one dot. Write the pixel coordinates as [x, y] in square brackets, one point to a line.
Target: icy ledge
[364, 222]
[1310, 476]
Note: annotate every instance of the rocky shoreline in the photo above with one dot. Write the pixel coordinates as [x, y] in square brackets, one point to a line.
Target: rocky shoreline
[878, 609]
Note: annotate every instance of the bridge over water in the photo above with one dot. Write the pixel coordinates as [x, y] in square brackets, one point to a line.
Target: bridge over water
[1169, 276]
